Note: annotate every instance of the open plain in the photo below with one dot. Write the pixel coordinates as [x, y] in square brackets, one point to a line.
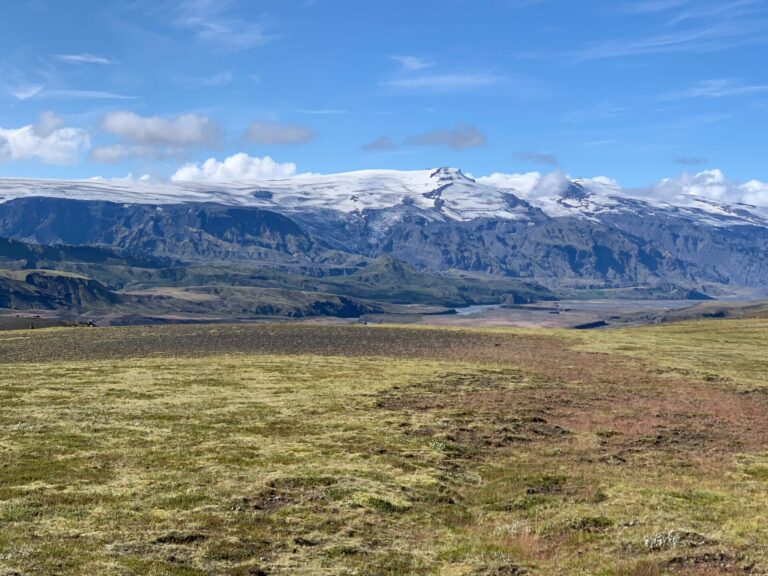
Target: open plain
[309, 449]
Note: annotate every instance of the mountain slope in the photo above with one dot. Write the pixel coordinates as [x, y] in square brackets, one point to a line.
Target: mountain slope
[47, 290]
[581, 233]
[119, 290]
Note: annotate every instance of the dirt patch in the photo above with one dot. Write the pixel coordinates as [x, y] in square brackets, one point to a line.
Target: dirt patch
[709, 563]
[181, 538]
[283, 492]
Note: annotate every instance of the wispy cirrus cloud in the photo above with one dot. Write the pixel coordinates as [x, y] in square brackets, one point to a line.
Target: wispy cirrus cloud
[40, 92]
[217, 80]
[699, 26]
[70, 94]
[445, 82]
[653, 6]
[85, 58]
[721, 88]
[26, 92]
[213, 22]
[724, 9]
[712, 38]
[413, 63]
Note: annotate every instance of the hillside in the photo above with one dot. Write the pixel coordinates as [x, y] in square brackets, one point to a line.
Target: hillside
[111, 286]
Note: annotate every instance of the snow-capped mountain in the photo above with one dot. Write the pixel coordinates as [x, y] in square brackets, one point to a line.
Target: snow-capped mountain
[445, 191]
[550, 228]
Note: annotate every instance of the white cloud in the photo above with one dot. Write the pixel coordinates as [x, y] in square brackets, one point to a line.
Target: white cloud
[521, 184]
[712, 184]
[680, 190]
[235, 168]
[48, 140]
[84, 58]
[47, 124]
[755, 192]
[184, 130]
[279, 134]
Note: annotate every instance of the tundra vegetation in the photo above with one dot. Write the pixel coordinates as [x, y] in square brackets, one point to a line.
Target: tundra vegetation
[307, 449]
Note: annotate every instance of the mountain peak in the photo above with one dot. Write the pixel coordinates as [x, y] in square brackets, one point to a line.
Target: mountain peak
[447, 175]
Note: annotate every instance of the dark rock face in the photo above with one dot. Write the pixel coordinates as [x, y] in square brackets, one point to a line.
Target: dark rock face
[184, 231]
[612, 249]
[40, 290]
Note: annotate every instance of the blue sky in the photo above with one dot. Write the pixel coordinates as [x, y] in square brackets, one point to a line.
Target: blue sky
[636, 90]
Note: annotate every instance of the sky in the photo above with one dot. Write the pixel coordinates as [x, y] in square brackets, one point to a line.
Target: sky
[246, 89]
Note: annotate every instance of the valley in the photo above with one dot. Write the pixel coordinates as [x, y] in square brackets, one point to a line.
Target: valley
[362, 244]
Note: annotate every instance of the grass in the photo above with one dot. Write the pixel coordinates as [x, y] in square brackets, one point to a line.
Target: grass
[727, 350]
[387, 451]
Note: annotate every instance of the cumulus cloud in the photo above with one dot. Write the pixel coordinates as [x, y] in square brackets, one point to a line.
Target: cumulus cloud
[235, 168]
[383, 144]
[276, 133]
[184, 130]
[47, 124]
[48, 141]
[522, 184]
[711, 184]
[462, 137]
[682, 189]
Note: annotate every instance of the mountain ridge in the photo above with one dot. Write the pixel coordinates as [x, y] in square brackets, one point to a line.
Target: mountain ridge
[446, 192]
[559, 233]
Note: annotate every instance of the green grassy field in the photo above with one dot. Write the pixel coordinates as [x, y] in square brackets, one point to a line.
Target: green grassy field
[304, 449]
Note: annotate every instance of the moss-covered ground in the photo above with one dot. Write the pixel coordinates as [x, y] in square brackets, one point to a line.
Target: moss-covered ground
[301, 449]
